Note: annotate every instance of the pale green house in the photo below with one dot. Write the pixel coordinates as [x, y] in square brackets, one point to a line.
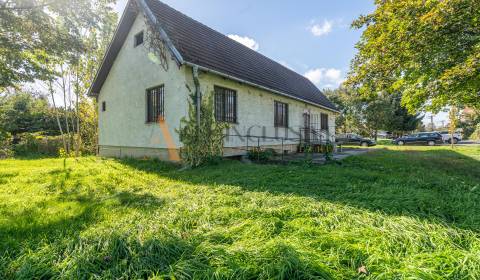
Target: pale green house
[257, 96]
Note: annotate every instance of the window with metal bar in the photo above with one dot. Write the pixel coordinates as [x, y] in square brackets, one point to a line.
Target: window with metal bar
[280, 114]
[225, 105]
[324, 121]
[155, 104]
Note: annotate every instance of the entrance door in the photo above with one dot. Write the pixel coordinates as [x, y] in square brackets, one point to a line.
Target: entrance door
[306, 126]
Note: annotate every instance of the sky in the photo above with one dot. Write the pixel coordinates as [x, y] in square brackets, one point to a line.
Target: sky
[311, 37]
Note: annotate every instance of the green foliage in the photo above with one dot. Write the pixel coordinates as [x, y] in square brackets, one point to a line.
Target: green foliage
[33, 144]
[202, 143]
[476, 133]
[35, 33]
[428, 50]
[261, 155]
[402, 213]
[366, 116]
[88, 126]
[6, 148]
[23, 112]
[384, 142]
[469, 120]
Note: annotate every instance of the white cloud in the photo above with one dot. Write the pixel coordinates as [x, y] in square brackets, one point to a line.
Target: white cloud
[284, 63]
[321, 29]
[325, 78]
[246, 41]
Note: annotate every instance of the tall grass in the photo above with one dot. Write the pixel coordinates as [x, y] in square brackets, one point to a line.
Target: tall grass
[398, 213]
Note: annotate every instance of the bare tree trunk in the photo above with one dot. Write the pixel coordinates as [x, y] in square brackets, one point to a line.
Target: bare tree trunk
[64, 89]
[77, 93]
[57, 116]
[453, 124]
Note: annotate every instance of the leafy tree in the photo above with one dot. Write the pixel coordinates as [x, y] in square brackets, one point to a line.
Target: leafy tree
[34, 32]
[367, 116]
[469, 121]
[398, 119]
[24, 112]
[427, 49]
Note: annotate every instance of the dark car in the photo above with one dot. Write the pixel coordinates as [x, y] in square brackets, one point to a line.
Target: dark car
[353, 139]
[425, 138]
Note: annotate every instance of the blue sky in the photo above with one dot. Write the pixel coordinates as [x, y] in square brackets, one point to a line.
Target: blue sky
[312, 37]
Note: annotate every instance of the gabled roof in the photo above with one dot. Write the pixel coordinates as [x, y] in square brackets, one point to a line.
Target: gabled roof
[200, 45]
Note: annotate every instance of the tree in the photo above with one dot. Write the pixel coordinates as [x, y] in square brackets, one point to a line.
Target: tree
[398, 119]
[368, 115]
[59, 44]
[427, 49]
[23, 112]
[32, 32]
[453, 123]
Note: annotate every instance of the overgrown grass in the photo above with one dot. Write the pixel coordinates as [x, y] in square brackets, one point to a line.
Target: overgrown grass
[399, 212]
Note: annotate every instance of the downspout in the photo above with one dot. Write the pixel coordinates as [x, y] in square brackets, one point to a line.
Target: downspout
[198, 94]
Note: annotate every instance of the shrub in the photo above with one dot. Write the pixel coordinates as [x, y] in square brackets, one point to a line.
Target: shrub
[5, 145]
[38, 144]
[384, 142]
[203, 143]
[476, 134]
[261, 155]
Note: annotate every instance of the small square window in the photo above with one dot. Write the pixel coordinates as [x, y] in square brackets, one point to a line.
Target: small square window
[104, 106]
[138, 39]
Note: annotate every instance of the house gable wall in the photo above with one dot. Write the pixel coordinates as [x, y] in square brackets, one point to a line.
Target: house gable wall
[123, 124]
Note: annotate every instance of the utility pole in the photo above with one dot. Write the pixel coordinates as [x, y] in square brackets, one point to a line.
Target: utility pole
[432, 126]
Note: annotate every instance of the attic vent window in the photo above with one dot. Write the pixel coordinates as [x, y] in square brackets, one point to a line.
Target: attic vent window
[104, 106]
[138, 39]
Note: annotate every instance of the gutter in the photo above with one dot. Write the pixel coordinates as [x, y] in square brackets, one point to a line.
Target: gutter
[257, 86]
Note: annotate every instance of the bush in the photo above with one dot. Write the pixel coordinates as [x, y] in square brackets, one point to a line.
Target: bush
[5, 145]
[384, 142]
[203, 143]
[476, 134]
[38, 144]
[261, 155]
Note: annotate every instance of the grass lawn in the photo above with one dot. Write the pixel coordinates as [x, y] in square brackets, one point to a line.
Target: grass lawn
[397, 212]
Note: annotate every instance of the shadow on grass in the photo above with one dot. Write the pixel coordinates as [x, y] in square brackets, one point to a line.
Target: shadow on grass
[31, 225]
[437, 185]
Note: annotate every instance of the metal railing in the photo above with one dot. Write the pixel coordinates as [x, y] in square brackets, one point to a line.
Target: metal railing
[306, 137]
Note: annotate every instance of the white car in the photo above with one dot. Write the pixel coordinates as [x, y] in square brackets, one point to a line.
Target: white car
[457, 137]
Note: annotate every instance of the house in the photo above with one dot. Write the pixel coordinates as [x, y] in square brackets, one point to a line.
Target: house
[136, 86]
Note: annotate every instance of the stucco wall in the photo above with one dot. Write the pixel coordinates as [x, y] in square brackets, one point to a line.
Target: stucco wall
[123, 124]
[255, 112]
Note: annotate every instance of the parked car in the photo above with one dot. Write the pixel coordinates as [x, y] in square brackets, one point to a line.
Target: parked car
[446, 136]
[428, 138]
[353, 139]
